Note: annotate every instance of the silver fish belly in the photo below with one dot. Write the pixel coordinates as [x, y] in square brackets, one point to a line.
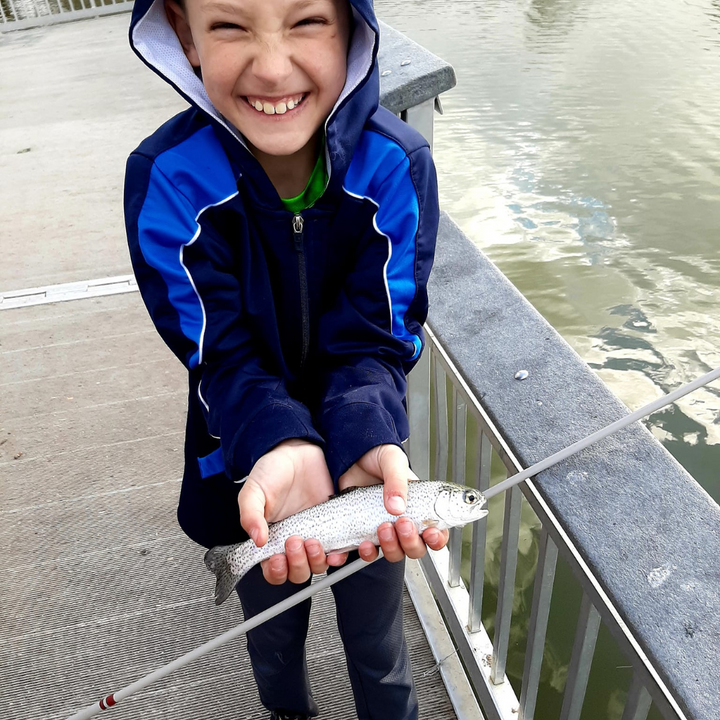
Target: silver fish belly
[344, 521]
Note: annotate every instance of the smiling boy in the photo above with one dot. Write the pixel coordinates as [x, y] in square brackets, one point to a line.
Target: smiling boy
[282, 231]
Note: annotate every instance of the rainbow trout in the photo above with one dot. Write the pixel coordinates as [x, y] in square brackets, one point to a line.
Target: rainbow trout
[346, 520]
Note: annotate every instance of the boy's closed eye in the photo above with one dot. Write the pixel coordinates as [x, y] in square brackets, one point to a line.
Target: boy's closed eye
[305, 22]
[312, 21]
[226, 26]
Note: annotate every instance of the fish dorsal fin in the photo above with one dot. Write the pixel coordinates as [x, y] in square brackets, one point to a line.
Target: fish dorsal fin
[344, 491]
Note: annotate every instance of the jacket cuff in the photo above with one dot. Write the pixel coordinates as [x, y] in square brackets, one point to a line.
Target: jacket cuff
[352, 430]
[269, 427]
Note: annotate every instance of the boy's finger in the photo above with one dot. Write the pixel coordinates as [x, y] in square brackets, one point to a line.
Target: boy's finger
[409, 538]
[316, 557]
[275, 569]
[436, 539]
[297, 560]
[367, 551]
[337, 559]
[389, 543]
[395, 473]
[251, 504]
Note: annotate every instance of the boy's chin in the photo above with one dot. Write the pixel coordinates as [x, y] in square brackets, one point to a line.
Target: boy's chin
[281, 147]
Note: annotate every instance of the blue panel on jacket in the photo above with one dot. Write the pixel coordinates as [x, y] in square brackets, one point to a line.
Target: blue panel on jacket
[379, 172]
[169, 222]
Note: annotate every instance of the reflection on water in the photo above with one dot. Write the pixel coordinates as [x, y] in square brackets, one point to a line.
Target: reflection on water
[581, 151]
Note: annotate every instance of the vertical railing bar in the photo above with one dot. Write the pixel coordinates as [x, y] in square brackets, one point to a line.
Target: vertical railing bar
[459, 444]
[479, 534]
[506, 588]
[419, 416]
[14, 10]
[581, 660]
[2, 14]
[539, 613]
[441, 423]
[422, 118]
[637, 705]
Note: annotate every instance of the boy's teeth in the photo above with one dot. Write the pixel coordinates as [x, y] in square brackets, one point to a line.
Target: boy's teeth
[280, 109]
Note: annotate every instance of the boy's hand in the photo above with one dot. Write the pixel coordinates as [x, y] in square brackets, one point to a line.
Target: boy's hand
[388, 464]
[291, 477]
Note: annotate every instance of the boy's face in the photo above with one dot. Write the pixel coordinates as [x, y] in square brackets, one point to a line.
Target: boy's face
[273, 68]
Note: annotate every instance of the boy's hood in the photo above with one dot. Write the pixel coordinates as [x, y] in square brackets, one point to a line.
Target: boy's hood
[155, 42]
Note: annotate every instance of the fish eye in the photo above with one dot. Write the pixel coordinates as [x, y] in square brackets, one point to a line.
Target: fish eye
[470, 497]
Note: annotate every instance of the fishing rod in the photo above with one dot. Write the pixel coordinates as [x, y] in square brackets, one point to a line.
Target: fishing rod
[114, 698]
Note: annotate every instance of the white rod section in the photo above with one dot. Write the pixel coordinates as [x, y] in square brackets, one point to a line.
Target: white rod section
[304, 594]
[603, 433]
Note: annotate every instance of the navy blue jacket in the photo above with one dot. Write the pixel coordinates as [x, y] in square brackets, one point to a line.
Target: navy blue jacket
[290, 326]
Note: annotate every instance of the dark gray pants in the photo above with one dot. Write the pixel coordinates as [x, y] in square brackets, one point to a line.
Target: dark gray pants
[369, 616]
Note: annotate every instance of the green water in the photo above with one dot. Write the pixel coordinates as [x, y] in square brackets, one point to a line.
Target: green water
[581, 151]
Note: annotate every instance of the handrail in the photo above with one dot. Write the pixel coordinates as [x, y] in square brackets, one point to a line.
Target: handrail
[611, 511]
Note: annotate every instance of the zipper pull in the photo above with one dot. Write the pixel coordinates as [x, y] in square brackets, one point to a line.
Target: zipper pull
[298, 225]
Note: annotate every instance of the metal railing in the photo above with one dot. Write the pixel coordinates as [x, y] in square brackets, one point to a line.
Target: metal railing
[440, 405]
[22, 14]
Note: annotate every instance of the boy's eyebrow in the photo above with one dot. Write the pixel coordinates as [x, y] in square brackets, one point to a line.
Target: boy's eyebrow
[302, 4]
[235, 8]
[227, 7]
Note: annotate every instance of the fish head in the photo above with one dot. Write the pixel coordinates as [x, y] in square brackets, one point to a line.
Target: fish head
[456, 505]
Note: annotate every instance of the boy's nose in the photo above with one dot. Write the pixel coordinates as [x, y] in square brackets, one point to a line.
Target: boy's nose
[271, 64]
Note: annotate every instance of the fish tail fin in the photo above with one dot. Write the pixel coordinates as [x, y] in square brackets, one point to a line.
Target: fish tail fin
[216, 560]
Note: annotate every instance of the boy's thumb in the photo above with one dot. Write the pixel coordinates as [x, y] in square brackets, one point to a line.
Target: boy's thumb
[251, 503]
[395, 473]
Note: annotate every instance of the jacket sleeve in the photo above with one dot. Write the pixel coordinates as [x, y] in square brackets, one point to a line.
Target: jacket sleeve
[184, 270]
[373, 335]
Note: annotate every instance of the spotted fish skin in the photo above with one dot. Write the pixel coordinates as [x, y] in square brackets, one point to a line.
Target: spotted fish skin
[344, 521]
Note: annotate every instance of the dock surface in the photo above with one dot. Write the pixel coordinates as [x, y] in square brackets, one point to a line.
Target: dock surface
[99, 586]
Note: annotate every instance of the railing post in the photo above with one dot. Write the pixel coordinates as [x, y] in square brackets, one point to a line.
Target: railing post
[441, 421]
[506, 588]
[419, 416]
[421, 117]
[458, 476]
[479, 535]
[542, 594]
[581, 660]
[638, 701]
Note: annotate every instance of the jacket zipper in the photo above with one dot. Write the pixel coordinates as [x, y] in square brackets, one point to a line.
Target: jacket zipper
[298, 226]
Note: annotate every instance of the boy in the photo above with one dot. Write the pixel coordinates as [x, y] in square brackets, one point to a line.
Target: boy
[282, 230]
